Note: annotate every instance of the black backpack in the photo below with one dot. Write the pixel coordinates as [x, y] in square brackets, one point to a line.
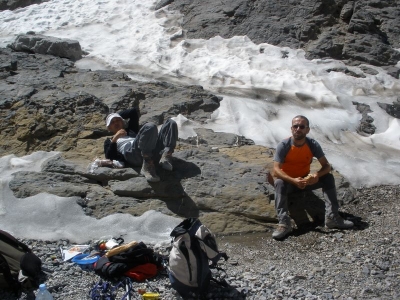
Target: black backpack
[194, 251]
[115, 266]
[20, 269]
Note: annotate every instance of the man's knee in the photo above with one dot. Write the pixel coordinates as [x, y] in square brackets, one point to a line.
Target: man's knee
[150, 128]
[171, 126]
[327, 181]
[280, 186]
[171, 123]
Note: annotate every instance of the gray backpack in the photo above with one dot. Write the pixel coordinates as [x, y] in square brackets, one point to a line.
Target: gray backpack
[194, 252]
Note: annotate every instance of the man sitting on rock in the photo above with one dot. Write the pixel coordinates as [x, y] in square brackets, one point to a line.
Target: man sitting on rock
[292, 162]
[140, 147]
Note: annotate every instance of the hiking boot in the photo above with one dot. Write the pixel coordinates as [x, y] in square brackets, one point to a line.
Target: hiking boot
[337, 222]
[149, 171]
[281, 231]
[166, 161]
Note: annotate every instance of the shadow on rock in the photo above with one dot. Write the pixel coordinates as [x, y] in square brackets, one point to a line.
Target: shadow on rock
[308, 212]
[221, 292]
[182, 169]
[359, 224]
[171, 191]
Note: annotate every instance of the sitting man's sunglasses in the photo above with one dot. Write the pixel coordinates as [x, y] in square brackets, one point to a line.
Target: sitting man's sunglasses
[299, 126]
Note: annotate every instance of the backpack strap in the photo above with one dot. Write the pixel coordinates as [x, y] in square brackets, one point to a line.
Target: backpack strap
[9, 239]
[5, 270]
[104, 290]
[220, 282]
[215, 260]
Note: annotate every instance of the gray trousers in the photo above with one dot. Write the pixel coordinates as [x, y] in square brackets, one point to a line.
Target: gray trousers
[151, 143]
[283, 188]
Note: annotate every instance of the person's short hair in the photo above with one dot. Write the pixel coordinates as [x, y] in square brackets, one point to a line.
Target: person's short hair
[112, 116]
[302, 117]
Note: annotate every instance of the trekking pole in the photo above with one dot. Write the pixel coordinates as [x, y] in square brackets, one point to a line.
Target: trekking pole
[128, 288]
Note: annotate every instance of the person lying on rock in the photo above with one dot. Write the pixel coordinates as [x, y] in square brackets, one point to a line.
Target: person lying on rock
[140, 147]
[291, 170]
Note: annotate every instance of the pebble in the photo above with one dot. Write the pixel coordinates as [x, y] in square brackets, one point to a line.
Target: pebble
[307, 266]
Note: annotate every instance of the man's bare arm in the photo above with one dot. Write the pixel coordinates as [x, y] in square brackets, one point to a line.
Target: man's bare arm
[325, 169]
[120, 133]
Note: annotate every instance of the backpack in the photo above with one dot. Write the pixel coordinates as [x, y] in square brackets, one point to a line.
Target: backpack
[119, 264]
[19, 267]
[193, 248]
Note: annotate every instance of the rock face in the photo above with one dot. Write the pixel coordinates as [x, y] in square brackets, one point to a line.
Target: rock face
[47, 104]
[354, 31]
[42, 96]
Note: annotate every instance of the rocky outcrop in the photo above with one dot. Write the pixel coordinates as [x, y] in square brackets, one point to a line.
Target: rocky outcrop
[36, 43]
[392, 109]
[354, 31]
[42, 96]
[366, 127]
[224, 185]
[47, 104]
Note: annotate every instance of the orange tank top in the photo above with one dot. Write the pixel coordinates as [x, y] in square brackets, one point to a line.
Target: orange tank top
[297, 161]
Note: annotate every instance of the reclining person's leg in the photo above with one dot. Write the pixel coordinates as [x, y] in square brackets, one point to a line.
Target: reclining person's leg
[166, 143]
[146, 141]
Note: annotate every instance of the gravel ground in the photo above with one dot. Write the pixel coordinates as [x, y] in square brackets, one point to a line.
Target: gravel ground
[312, 263]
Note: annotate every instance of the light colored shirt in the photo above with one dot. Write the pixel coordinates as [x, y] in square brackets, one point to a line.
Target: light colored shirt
[122, 142]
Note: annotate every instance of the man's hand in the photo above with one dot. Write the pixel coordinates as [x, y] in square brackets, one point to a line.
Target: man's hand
[300, 182]
[311, 179]
[120, 133]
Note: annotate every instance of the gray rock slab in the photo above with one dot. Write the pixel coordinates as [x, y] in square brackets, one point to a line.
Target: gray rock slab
[36, 43]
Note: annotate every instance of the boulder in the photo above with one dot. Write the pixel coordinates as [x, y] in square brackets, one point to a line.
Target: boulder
[392, 109]
[36, 43]
[366, 127]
